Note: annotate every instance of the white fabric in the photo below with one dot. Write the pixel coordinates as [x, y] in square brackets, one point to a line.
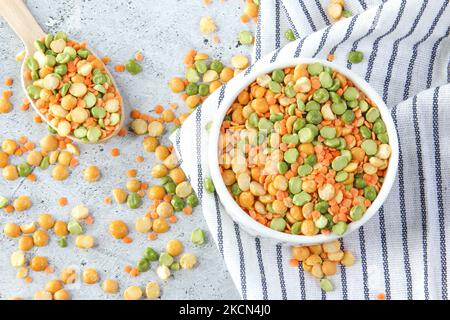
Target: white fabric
[402, 251]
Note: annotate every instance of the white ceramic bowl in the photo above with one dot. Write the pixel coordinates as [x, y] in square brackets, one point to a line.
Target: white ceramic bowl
[240, 216]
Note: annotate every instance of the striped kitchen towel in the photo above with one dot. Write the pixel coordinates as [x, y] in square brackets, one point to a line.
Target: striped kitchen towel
[402, 251]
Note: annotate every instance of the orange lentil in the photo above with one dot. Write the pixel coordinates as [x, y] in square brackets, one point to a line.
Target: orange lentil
[139, 56]
[106, 59]
[293, 263]
[73, 163]
[9, 81]
[131, 173]
[62, 201]
[127, 240]
[216, 39]
[119, 68]
[32, 177]
[122, 132]
[330, 57]
[107, 200]
[37, 119]
[89, 220]
[139, 159]
[187, 210]
[134, 272]
[158, 109]
[127, 269]
[152, 236]
[173, 219]
[380, 296]
[8, 209]
[28, 279]
[49, 269]
[115, 152]
[244, 18]
[22, 140]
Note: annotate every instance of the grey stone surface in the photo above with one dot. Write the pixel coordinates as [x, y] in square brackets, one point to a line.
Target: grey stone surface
[163, 31]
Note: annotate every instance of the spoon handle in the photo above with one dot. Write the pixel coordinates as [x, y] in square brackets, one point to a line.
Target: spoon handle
[21, 21]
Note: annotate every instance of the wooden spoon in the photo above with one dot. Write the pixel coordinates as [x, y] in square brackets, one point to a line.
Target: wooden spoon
[25, 26]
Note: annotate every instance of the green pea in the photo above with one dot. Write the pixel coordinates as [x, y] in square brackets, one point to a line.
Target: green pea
[61, 35]
[301, 105]
[209, 185]
[356, 212]
[192, 200]
[310, 160]
[71, 52]
[383, 137]
[326, 285]
[314, 129]
[352, 104]
[45, 163]
[296, 227]
[336, 85]
[363, 105]
[355, 56]
[39, 46]
[282, 167]
[83, 53]
[325, 80]
[322, 207]
[90, 99]
[339, 107]
[99, 78]
[177, 203]
[170, 187]
[301, 198]
[289, 91]
[35, 75]
[134, 201]
[370, 193]
[306, 135]
[321, 95]
[235, 190]
[48, 39]
[100, 88]
[50, 60]
[32, 64]
[165, 259]
[192, 75]
[339, 228]
[312, 106]
[291, 155]
[62, 58]
[351, 93]
[175, 266]
[342, 144]
[278, 224]
[379, 126]
[203, 89]
[339, 163]
[370, 147]
[304, 170]
[217, 66]
[289, 35]
[253, 120]
[62, 242]
[245, 37]
[143, 265]
[314, 117]
[328, 132]
[64, 89]
[299, 124]
[365, 132]
[93, 134]
[359, 183]
[191, 89]
[348, 116]
[24, 169]
[3, 202]
[372, 115]
[201, 67]
[346, 13]
[265, 125]
[61, 69]
[347, 154]
[334, 97]
[198, 236]
[332, 143]
[290, 138]
[321, 222]
[150, 254]
[98, 112]
[80, 132]
[133, 67]
[74, 228]
[275, 87]
[291, 109]
[315, 69]
[295, 185]
[341, 176]
[33, 92]
[278, 75]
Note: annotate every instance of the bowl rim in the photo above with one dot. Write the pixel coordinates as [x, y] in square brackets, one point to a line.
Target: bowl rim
[238, 214]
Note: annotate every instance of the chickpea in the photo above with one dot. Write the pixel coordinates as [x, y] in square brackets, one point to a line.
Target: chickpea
[139, 126]
[118, 229]
[110, 286]
[307, 148]
[215, 85]
[39, 263]
[10, 173]
[279, 207]
[150, 144]
[49, 143]
[61, 295]
[164, 210]
[42, 295]
[152, 290]
[227, 74]
[60, 172]
[40, 238]
[174, 248]
[133, 185]
[308, 228]
[177, 175]
[68, 275]
[91, 174]
[171, 161]
[12, 230]
[53, 285]
[162, 152]
[348, 259]
[132, 293]
[251, 9]
[46, 221]
[28, 228]
[159, 171]
[193, 101]
[160, 225]
[60, 228]
[120, 196]
[4, 159]
[246, 199]
[229, 178]
[156, 192]
[34, 158]
[26, 243]
[9, 146]
[188, 261]
[64, 158]
[143, 225]
[168, 115]
[329, 268]
[84, 241]
[90, 276]
[176, 85]
[316, 249]
[22, 203]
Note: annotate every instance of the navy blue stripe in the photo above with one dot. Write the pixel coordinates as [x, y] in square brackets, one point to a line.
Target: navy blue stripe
[275, 55]
[280, 272]
[362, 245]
[301, 275]
[219, 224]
[363, 4]
[440, 201]
[308, 16]
[241, 261]
[322, 12]
[343, 276]
[387, 80]
[423, 204]
[415, 50]
[433, 57]
[322, 41]
[401, 191]
[277, 24]
[178, 144]
[261, 268]
[324, 294]
[384, 251]
[258, 37]
[371, 29]
[347, 33]
[376, 43]
[299, 47]
[198, 133]
[291, 23]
